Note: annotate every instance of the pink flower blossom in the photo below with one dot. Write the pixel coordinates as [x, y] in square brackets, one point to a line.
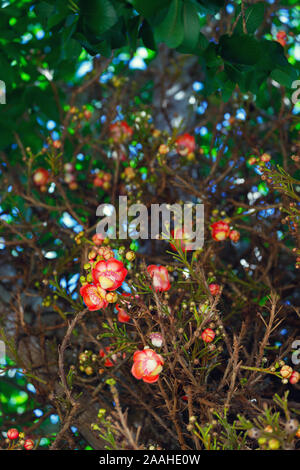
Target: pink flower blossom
[93, 297]
[147, 365]
[220, 230]
[109, 274]
[160, 276]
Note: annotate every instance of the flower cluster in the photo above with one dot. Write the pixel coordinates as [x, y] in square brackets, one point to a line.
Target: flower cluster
[102, 180]
[221, 231]
[281, 37]
[120, 131]
[70, 176]
[287, 373]
[16, 440]
[106, 275]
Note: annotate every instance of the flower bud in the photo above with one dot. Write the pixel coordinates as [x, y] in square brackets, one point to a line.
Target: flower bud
[130, 255]
[111, 297]
[286, 372]
[295, 377]
[292, 426]
[12, 434]
[274, 444]
[28, 444]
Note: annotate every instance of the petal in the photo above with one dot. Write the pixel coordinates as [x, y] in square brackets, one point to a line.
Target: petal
[151, 268]
[139, 356]
[105, 282]
[114, 265]
[137, 370]
[150, 380]
[156, 371]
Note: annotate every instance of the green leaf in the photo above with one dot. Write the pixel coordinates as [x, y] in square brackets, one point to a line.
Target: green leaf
[150, 8]
[133, 25]
[210, 6]
[99, 15]
[191, 25]
[170, 30]
[71, 50]
[254, 16]
[282, 77]
[240, 49]
[43, 11]
[146, 33]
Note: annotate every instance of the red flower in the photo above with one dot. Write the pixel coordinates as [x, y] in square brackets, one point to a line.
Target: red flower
[12, 434]
[265, 157]
[107, 362]
[109, 274]
[252, 160]
[147, 365]
[123, 317]
[234, 236]
[28, 444]
[120, 131]
[182, 240]
[214, 289]
[208, 335]
[281, 37]
[220, 230]
[98, 238]
[98, 182]
[160, 276]
[295, 377]
[87, 114]
[41, 177]
[93, 297]
[185, 144]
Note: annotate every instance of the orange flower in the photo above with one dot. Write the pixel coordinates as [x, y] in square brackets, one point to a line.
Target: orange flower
[147, 365]
[220, 230]
[98, 238]
[208, 335]
[182, 240]
[123, 316]
[252, 160]
[108, 362]
[160, 276]
[185, 144]
[234, 236]
[41, 177]
[214, 289]
[265, 157]
[93, 297]
[281, 37]
[109, 274]
[120, 131]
